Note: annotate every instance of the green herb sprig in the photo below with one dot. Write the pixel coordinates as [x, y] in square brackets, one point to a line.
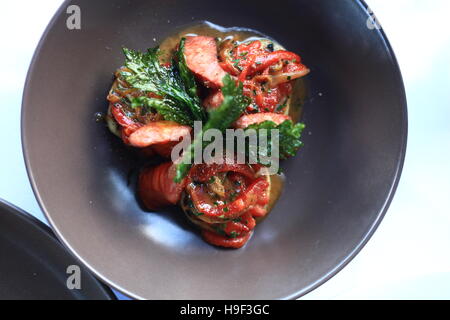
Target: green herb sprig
[173, 83]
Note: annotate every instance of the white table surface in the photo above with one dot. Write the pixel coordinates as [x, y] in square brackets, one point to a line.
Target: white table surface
[409, 255]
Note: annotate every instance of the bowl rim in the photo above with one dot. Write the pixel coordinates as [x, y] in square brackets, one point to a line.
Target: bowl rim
[301, 292]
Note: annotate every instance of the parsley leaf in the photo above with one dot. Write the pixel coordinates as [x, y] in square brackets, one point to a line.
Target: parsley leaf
[173, 83]
[164, 107]
[233, 105]
[289, 137]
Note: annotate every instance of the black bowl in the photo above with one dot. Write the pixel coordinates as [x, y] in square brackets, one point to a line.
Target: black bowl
[338, 187]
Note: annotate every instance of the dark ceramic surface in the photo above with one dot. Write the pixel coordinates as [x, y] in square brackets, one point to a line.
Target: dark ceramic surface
[338, 187]
[33, 264]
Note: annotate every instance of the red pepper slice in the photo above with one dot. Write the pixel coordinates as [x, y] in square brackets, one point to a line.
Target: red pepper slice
[128, 125]
[245, 224]
[223, 241]
[265, 61]
[244, 50]
[228, 67]
[257, 211]
[247, 198]
[247, 68]
[122, 119]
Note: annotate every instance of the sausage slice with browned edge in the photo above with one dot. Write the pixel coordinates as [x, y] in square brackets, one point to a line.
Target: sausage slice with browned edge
[158, 132]
[201, 58]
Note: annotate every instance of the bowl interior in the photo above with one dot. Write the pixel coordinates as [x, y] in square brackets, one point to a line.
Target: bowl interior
[337, 187]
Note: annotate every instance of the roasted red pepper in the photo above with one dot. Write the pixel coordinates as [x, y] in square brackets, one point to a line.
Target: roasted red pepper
[246, 199]
[201, 195]
[224, 241]
[264, 61]
[255, 65]
[123, 119]
[128, 126]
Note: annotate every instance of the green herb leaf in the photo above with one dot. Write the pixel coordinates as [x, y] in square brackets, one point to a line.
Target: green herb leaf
[164, 107]
[289, 137]
[233, 234]
[149, 75]
[233, 105]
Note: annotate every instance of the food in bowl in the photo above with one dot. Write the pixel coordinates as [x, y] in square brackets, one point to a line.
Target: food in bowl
[164, 101]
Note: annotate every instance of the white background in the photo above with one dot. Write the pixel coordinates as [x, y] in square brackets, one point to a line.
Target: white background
[409, 255]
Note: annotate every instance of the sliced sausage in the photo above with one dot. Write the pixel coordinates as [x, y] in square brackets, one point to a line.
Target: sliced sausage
[201, 58]
[158, 132]
[249, 119]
